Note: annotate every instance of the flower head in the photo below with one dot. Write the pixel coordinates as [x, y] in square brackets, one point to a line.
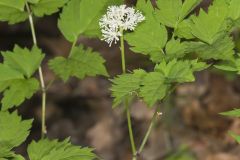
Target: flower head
[117, 19]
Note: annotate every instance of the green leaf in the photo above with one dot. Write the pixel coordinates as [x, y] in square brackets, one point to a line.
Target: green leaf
[231, 65]
[175, 49]
[232, 113]
[81, 18]
[7, 73]
[18, 91]
[208, 26]
[126, 85]
[234, 9]
[13, 132]
[46, 7]
[12, 15]
[172, 12]
[80, 64]
[184, 30]
[176, 71]
[24, 60]
[17, 4]
[220, 49]
[154, 88]
[145, 39]
[49, 150]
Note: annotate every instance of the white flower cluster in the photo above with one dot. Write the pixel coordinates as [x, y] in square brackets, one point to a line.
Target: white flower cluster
[117, 19]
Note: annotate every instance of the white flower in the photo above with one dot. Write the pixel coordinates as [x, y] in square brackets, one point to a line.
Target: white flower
[117, 19]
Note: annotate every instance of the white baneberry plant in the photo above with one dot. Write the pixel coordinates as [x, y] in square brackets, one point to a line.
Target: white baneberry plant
[177, 41]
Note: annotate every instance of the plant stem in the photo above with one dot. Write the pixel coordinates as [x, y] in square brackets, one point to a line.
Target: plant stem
[152, 123]
[43, 128]
[126, 100]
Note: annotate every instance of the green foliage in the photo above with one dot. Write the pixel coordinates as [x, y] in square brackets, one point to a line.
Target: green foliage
[231, 65]
[172, 12]
[49, 150]
[16, 72]
[153, 86]
[17, 91]
[145, 39]
[24, 60]
[232, 113]
[81, 63]
[220, 49]
[12, 11]
[13, 132]
[126, 85]
[81, 18]
[46, 7]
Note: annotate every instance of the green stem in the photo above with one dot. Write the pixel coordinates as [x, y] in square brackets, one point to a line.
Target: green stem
[73, 45]
[152, 123]
[43, 128]
[126, 100]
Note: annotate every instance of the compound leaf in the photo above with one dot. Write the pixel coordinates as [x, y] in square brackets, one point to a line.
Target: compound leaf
[81, 17]
[80, 64]
[24, 60]
[145, 39]
[12, 11]
[126, 85]
[154, 88]
[49, 150]
[17, 91]
[13, 132]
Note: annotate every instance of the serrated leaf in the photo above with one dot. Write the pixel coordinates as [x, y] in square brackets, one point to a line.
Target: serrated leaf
[18, 91]
[80, 64]
[176, 71]
[172, 12]
[232, 113]
[10, 124]
[154, 88]
[46, 7]
[7, 73]
[220, 49]
[126, 85]
[24, 60]
[49, 150]
[145, 39]
[184, 30]
[81, 18]
[175, 49]
[12, 15]
[207, 26]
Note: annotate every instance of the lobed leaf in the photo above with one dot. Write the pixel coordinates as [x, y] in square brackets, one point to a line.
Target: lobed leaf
[126, 85]
[24, 60]
[10, 124]
[150, 36]
[17, 91]
[49, 150]
[80, 64]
